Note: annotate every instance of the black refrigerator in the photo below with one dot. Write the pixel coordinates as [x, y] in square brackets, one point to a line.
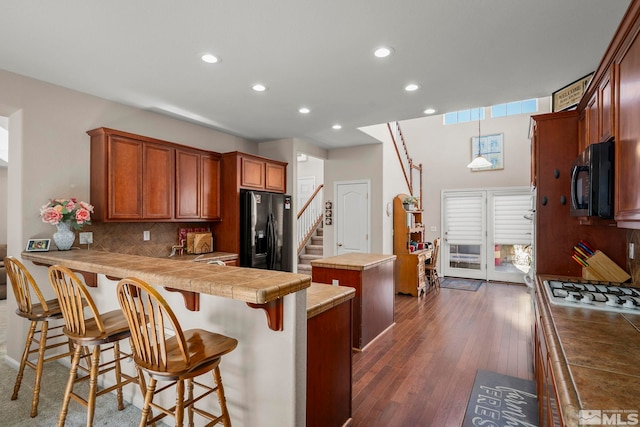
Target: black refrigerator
[265, 230]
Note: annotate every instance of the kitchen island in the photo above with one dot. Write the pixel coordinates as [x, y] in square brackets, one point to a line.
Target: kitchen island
[585, 360]
[264, 376]
[372, 276]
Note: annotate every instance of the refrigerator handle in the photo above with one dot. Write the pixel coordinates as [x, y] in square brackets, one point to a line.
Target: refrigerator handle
[270, 243]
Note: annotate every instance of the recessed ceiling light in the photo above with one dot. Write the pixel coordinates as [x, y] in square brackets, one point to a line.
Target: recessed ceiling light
[411, 87]
[429, 111]
[304, 110]
[258, 87]
[211, 59]
[336, 127]
[383, 52]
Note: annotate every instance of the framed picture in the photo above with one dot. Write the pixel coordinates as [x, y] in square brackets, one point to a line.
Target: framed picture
[570, 95]
[491, 147]
[38, 245]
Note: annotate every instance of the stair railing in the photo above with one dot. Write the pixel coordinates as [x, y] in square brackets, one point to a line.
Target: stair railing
[409, 169]
[309, 217]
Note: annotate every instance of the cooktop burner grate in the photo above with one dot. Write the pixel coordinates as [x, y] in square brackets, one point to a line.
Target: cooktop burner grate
[604, 296]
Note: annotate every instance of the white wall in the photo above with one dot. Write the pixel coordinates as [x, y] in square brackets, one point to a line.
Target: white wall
[445, 151]
[363, 162]
[3, 204]
[49, 152]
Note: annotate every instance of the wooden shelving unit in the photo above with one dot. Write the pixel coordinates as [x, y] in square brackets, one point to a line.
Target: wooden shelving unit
[407, 227]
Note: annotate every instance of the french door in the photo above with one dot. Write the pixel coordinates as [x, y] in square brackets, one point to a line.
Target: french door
[487, 234]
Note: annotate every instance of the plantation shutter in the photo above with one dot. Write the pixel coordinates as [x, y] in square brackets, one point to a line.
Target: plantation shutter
[464, 219]
[510, 226]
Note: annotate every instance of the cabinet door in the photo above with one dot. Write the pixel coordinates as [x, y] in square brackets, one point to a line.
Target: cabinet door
[210, 188]
[252, 173]
[125, 178]
[593, 125]
[187, 185]
[606, 108]
[157, 195]
[276, 177]
[627, 150]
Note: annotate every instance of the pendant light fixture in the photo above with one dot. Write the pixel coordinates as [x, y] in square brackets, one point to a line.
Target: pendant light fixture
[480, 161]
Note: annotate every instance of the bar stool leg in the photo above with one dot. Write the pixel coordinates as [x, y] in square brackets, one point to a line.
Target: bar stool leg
[148, 397]
[190, 399]
[179, 412]
[116, 355]
[41, 349]
[93, 384]
[221, 399]
[23, 361]
[67, 392]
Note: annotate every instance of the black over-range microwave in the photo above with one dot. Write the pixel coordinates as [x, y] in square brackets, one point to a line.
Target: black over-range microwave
[592, 181]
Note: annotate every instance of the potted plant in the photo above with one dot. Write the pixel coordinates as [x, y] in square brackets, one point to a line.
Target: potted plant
[410, 203]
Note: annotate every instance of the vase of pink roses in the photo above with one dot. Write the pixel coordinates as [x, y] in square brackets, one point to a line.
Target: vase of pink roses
[66, 214]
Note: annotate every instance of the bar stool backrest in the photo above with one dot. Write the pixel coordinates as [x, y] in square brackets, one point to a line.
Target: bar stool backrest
[149, 315]
[23, 283]
[436, 250]
[73, 297]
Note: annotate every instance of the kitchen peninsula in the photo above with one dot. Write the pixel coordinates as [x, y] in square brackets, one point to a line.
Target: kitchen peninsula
[265, 356]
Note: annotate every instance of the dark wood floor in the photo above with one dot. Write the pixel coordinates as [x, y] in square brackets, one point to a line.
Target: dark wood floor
[420, 372]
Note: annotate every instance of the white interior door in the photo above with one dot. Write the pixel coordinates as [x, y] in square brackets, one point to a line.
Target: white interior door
[463, 250]
[487, 234]
[351, 217]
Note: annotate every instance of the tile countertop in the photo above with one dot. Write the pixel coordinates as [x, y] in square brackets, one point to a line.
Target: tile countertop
[244, 284]
[210, 256]
[322, 297]
[595, 356]
[353, 261]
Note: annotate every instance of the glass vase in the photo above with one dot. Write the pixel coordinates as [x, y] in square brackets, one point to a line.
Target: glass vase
[64, 237]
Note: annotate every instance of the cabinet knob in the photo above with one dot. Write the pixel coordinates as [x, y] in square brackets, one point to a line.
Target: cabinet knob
[544, 201]
[339, 244]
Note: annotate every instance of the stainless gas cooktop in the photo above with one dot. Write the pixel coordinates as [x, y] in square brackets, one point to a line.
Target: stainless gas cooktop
[603, 296]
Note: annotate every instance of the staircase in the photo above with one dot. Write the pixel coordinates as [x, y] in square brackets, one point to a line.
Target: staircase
[312, 250]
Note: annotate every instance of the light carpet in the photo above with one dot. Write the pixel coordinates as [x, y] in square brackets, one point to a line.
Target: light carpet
[54, 379]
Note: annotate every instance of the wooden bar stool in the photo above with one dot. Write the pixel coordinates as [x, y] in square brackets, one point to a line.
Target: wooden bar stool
[431, 269]
[180, 356]
[96, 331]
[39, 314]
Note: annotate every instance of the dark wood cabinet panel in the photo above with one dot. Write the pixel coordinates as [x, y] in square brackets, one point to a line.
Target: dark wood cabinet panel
[157, 179]
[593, 125]
[627, 162]
[252, 173]
[124, 194]
[606, 107]
[275, 177]
[210, 187]
[187, 185]
[555, 142]
[329, 367]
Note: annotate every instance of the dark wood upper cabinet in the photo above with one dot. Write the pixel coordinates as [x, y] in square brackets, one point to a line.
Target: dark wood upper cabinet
[252, 172]
[137, 178]
[197, 185]
[627, 162]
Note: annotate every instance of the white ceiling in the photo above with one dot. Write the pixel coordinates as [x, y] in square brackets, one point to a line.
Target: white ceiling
[318, 54]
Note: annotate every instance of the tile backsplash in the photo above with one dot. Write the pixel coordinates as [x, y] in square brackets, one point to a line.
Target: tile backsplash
[127, 238]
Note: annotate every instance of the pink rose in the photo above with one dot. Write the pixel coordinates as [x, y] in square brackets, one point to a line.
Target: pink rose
[51, 216]
[87, 206]
[83, 215]
[70, 206]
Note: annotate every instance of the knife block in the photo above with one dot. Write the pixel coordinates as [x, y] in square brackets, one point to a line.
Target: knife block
[602, 268]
